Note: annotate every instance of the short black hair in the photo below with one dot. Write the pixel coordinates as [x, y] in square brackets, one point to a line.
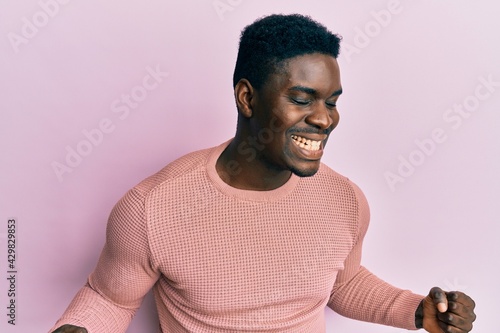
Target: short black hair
[270, 40]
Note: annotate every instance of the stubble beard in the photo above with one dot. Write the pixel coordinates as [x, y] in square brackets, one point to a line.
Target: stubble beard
[301, 172]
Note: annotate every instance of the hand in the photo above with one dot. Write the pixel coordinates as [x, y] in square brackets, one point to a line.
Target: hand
[446, 312]
[70, 329]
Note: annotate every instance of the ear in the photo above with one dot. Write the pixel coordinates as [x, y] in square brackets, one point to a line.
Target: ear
[244, 95]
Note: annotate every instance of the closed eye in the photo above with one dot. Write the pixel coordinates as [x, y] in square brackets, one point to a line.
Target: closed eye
[300, 101]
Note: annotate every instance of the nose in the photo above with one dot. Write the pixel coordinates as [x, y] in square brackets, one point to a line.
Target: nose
[322, 117]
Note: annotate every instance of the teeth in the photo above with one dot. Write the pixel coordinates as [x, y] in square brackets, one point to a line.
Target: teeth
[306, 143]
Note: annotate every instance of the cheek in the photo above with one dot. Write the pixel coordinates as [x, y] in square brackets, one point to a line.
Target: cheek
[335, 118]
[277, 125]
[282, 119]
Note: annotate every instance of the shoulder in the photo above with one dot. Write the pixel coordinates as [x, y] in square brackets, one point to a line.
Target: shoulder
[332, 181]
[135, 198]
[132, 206]
[343, 191]
[189, 163]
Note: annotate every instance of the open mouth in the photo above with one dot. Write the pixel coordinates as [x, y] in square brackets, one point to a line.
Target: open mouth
[307, 144]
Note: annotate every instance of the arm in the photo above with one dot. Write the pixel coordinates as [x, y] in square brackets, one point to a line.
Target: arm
[360, 295]
[124, 274]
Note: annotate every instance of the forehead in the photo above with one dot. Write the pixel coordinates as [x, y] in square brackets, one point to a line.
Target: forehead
[317, 71]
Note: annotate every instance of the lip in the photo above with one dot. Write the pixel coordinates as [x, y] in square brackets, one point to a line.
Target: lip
[311, 155]
[311, 136]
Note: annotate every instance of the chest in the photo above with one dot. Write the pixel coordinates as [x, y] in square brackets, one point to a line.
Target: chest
[236, 256]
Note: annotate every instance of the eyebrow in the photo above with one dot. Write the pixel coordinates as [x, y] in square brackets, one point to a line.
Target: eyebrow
[312, 91]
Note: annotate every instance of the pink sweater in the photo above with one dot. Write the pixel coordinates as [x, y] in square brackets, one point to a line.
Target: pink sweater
[220, 259]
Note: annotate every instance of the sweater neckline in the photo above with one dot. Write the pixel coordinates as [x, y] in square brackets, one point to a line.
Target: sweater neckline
[251, 195]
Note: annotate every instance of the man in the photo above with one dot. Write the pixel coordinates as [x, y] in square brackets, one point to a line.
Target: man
[256, 234]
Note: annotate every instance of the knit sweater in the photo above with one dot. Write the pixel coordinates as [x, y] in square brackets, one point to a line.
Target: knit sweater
[221, 259]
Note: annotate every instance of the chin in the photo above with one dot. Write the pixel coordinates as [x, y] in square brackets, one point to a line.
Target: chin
[304, 172]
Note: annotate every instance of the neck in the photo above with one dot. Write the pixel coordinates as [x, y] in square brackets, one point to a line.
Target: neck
[247, 171]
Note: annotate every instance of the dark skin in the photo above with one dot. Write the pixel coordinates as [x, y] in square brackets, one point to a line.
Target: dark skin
[445, 312]
[70, 329]
[299, 100]
[283, 128]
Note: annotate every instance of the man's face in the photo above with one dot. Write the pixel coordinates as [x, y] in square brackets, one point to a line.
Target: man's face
[299, 105]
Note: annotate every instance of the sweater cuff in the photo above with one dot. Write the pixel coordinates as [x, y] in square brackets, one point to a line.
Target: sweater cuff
[66, 321]
[404, 311]
[95, 314]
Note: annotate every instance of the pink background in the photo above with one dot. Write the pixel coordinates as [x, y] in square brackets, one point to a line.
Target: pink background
[405, 64]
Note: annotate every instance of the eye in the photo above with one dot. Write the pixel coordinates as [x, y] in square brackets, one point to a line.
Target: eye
[331, 105]
[299, 101]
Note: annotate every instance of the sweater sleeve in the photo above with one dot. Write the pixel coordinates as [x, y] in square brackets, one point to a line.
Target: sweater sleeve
[123, 275]
[358, 294]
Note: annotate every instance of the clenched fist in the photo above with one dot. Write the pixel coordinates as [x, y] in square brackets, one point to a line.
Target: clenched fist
[446, 312]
